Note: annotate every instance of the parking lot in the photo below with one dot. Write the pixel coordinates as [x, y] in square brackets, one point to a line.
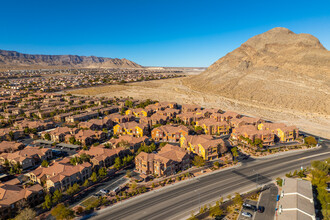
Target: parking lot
[245, 210]
[268, 200]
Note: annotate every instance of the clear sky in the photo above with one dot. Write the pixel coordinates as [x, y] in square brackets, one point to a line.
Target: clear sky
[153, 32]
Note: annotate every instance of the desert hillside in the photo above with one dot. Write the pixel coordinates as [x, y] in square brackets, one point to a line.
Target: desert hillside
[13, 59]
[277, 69]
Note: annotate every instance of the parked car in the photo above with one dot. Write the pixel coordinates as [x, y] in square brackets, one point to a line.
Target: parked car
[116, 190]
[247, 214]
[249, 206]
[104, 191]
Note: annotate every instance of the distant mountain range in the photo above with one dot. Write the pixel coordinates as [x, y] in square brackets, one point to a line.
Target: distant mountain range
[276, 69]
[13, 59]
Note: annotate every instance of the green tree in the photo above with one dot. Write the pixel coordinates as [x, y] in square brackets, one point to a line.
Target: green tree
[61, 212]
[216, 211]
[118, 163]
[47, 136]
[11, 135]
[73, 189]
[234, 152]
[198, 161]
[310, 140]
[26, 214]
[72, 140]
[199, 129]
[44, 163]
[102, 172]
[57, 196]
[86, 183]
[85, 157]
[238, 199]
[47, 204]
[94, 177]
[217, 164]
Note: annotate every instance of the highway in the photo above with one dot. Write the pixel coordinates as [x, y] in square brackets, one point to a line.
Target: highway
[179, 200]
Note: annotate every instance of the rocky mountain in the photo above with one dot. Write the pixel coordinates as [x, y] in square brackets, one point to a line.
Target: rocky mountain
[14, 59]
[277, 69]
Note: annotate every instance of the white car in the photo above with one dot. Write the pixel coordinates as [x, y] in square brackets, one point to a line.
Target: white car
[104, 191]
[247, 214]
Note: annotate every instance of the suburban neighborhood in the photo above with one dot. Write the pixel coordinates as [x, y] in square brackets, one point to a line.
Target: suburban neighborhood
[55, 147]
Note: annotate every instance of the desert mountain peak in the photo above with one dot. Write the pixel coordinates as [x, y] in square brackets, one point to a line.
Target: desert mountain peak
[277, 68]
[283, 36]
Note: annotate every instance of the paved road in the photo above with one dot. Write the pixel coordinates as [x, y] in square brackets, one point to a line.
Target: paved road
[179, 200]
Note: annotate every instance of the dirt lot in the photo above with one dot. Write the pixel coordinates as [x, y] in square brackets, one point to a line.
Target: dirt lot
[174, 90]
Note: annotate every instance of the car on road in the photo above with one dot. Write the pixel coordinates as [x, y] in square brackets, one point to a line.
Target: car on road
[247, 214]
[104, 191]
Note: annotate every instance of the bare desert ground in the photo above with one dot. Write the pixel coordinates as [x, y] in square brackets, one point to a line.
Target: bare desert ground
[175, 90]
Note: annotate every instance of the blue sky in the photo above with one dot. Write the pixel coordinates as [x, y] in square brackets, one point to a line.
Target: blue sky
[153, 33]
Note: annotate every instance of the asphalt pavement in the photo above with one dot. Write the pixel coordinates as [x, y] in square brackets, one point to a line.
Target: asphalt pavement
[179, 200]
[268, 201]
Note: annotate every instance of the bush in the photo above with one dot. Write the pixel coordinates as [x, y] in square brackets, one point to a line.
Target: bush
[279, 181]
[310, 140]
[198, 161]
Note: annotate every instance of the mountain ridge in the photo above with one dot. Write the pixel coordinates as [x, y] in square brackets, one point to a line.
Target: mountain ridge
[16, 59]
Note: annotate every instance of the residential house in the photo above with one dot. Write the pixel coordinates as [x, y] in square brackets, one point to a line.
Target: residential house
[82, 117]
[205, 146]
[27, 157]
[13, 197]
[227, 116]
[134, 143]
[61, 174]
[97, 124]
[103, 157]
[154, 119]
[59, 133]
[190, 108]
[87, 137]
[118, 118]
[10, 146]
[283, 133]
[38, 125]
[169, 160]
[213, 127]
[131, 128]
[252, 133]
[169, 133]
